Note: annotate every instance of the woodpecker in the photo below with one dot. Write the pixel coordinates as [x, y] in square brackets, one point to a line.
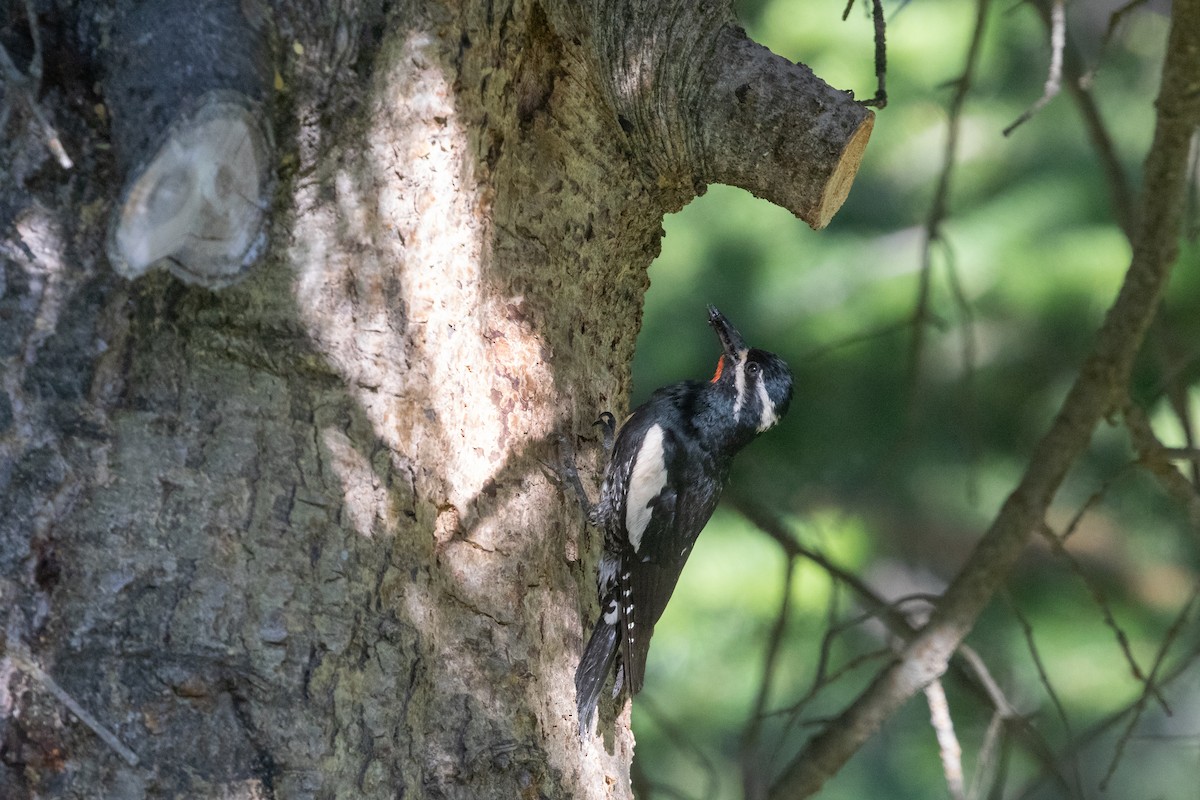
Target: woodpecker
[667, 466]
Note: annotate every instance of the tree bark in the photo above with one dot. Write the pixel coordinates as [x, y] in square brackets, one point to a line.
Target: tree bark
[295, 539]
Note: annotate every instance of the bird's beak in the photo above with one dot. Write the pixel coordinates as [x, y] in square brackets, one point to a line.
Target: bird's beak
[731, 340]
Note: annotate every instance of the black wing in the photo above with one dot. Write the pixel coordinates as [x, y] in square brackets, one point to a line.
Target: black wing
[648, 574]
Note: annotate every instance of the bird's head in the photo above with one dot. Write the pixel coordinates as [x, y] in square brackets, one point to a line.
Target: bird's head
[758, 383]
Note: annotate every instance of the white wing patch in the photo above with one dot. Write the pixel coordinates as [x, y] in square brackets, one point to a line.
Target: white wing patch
[649, 476]
[769, 417]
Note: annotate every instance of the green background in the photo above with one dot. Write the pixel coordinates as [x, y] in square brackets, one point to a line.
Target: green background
[895, 472]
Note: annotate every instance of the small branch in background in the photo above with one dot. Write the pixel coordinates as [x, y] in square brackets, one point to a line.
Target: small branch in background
[753, 780]
[1027, 630]
[1101, 601]
[1114, 20]
[990, 767]
[948, 746]
[681, 740]
[1183, 666]
[1148, 687]
[1058, 42]
[1155, 458]
[1172, 384]
[880, 23]
[22, 87]
[941, 198]
[1094, 498]
[1078, 82]
[967, 324]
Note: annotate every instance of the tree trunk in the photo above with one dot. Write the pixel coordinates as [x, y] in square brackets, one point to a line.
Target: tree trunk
[295, 538]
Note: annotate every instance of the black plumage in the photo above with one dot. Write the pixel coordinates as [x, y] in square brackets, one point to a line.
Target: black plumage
[668, 465]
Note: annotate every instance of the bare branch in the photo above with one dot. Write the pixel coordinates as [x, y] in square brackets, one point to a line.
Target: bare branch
[1027, 630]
[1149, 687]
[941, 195]
[682, 741]
[739, 115]
[1106, 613]
[880, 23]
[986, 763]
[948, 746]
[1058, 41]
[753, 779]
[1096, 390]
[1156, 459]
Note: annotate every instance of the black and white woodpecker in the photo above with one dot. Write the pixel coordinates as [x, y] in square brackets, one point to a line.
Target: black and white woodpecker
[666, 469]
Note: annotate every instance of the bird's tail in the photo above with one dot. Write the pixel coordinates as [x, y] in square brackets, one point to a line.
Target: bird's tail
[597, 662]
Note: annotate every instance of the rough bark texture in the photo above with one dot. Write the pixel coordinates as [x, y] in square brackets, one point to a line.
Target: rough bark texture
[293, 539]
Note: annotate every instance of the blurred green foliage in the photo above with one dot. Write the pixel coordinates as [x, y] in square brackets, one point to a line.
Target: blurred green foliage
[895, 473]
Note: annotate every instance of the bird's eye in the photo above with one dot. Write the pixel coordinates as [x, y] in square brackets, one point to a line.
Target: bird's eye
[753, 369]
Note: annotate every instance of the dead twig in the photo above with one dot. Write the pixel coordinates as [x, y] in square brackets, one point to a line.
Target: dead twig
[752, 774]
[1101, 600]
[941, 199]
[1044, 677]
[1148, 687]
[1058, 42]
[948, 746]
[21, 88]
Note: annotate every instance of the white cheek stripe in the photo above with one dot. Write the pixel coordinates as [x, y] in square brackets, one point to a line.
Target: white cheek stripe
[647, 480]
[769, 417]
[739, 382]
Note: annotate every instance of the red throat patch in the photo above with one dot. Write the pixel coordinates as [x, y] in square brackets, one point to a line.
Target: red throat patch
[720, 368]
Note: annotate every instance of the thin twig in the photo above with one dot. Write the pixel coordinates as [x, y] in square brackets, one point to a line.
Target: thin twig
[1140, 705]
[1078, 82]
[1154, 457]
[985, 762]
[18, 84]
[1094, 498]
[1027, 630]
[1106, 612]
[879, 21]
[1182, 667]
[1058, 42]
[1114, 19]
[967, 325]
[941, 199]
[682, 741]
[753, 779]
[948, 746]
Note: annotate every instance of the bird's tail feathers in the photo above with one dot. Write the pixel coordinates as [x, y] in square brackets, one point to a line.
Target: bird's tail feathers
[597, 662]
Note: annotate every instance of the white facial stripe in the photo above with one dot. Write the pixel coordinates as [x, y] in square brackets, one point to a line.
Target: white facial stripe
[647, 479]
[739, 382]
[769, 417]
